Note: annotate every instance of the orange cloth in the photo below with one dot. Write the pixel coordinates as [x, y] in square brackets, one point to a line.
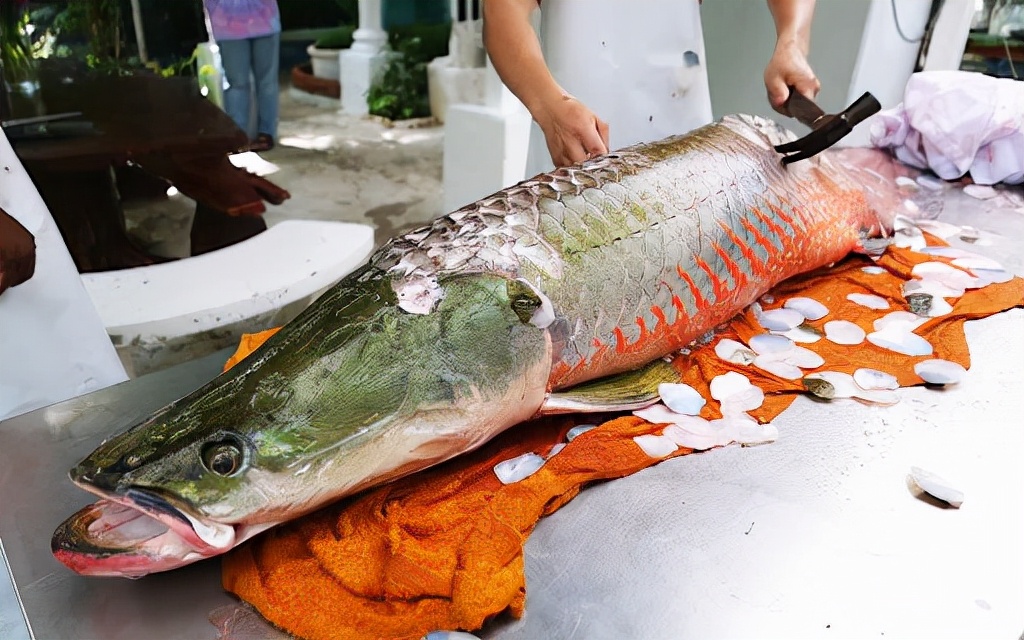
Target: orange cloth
[249, 343]
[443, 549]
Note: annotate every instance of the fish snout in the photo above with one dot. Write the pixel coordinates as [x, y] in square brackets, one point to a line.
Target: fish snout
[97, 479]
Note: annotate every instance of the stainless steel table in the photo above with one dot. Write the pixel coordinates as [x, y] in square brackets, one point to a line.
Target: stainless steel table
[36, 451]
[814, 536]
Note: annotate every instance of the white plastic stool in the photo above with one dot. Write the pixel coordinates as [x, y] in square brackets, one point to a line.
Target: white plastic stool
[164, 314]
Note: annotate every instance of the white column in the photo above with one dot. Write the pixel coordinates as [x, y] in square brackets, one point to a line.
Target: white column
[361, 62]
[949, 38]
[485, 146]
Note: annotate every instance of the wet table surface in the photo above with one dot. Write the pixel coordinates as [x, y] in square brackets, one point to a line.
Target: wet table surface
[814, 536]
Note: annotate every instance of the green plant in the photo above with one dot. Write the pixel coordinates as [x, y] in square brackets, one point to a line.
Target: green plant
[338, 38]
[400, 92]
[15, 48]
[100, 22]
[433, 38]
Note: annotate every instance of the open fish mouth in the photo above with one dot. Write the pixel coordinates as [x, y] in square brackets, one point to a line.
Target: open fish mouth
[137, 533]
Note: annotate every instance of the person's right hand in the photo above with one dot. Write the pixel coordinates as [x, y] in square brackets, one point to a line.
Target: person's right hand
[572, 131]
[17, 252]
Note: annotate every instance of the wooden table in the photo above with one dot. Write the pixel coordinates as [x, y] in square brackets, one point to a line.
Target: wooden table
[141, 125]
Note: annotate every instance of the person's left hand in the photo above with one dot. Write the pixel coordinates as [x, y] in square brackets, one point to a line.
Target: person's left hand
[17, 252]
[789, 67]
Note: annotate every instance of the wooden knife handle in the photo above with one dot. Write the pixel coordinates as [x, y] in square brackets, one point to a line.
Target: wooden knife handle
[802, 108]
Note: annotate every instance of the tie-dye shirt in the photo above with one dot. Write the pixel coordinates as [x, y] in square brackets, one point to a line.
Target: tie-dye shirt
[240, 19]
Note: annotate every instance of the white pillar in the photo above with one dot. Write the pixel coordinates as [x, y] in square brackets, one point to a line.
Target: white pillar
[949, 37]
[365, 58]
[485, 146]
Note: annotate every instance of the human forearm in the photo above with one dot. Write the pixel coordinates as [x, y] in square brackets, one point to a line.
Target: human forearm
[793, 21]
[572, 131]
[516, 53]
[788, 66]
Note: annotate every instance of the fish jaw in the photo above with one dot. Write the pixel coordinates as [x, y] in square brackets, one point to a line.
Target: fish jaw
[138, 532]
[108, 539]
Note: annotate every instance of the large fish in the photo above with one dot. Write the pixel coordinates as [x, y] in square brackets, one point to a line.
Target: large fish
[492, 315]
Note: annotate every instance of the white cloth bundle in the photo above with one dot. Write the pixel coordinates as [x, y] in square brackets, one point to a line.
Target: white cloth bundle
[955, 122]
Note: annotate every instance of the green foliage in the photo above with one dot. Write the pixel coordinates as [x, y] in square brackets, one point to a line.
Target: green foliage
[339, 38]
[100, 22]
[433, 38]
[94, 31]
[15, 48]
[400, 92]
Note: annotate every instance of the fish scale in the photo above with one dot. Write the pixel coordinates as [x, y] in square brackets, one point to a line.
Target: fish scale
[682, 225]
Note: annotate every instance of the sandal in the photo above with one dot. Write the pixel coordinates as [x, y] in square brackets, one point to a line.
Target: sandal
[263, 142]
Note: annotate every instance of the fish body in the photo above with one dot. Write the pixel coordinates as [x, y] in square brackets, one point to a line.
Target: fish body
[455, 332]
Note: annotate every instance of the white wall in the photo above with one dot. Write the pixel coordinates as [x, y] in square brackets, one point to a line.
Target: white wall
[854, 48]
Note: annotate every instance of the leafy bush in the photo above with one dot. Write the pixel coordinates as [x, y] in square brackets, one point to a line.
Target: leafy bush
[400, 92]
[339, 38]
[433, 38]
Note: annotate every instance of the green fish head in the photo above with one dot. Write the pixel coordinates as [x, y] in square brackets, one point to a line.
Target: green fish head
[379, 378]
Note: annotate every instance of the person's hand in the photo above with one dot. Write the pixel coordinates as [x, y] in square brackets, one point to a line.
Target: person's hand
[789, 67]
[572, 131]
[17, 252]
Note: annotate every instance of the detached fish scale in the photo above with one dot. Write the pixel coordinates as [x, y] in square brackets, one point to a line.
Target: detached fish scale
[642, 250]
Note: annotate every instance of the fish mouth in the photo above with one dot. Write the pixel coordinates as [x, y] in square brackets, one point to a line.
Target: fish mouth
[135, 533]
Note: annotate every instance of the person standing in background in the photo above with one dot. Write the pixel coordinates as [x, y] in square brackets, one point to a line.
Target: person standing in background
[248, 33]
[606, 74]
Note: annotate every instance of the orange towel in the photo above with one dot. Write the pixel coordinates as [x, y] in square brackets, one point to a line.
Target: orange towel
[443, 549]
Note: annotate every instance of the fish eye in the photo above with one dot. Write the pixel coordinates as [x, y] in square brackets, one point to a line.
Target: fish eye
[523, 300]
[223, 457]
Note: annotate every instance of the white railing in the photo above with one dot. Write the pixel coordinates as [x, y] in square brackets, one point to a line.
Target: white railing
[466, 46]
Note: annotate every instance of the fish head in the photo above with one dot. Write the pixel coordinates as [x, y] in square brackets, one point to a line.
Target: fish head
[378, 379]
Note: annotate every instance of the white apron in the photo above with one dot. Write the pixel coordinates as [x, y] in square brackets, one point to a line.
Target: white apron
[637, 64]
[52, 342]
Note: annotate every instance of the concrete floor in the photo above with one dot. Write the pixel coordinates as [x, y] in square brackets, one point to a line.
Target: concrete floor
[336, 167]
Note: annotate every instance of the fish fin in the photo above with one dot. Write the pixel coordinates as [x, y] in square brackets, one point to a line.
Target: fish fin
[620, 392]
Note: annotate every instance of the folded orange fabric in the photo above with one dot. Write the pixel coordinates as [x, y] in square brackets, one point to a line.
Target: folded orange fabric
[443, 549]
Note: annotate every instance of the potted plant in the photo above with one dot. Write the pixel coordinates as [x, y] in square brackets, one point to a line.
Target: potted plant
[324, 54]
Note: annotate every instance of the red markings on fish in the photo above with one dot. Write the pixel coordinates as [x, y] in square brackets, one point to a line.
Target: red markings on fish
[698, 297]
[738, 277]
[720, 288]
[620, 340]
[659, 315]
[771, 223]
[761, 239]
